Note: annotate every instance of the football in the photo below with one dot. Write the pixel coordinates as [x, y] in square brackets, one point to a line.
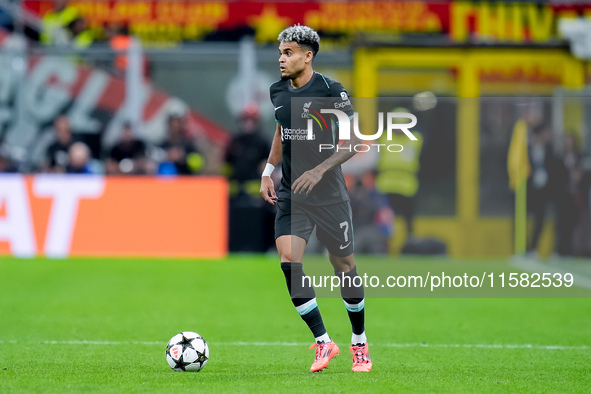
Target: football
[187, 351]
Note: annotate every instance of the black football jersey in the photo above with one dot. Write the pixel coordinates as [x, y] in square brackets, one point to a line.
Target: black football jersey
[305, 147]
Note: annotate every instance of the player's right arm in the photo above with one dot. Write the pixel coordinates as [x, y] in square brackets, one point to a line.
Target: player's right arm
[267, 186]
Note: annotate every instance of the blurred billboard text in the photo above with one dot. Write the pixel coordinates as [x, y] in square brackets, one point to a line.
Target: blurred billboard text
[453, 21]
[58, 216]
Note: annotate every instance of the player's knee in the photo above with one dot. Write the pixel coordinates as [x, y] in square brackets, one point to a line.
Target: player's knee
[342, 264]
[284, 252]
[285, 256]
[290, 249]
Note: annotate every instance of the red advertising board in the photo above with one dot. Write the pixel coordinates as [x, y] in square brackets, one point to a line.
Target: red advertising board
[65, 215]
[460, 21]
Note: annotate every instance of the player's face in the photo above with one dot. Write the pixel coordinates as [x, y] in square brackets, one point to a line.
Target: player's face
[293, 60]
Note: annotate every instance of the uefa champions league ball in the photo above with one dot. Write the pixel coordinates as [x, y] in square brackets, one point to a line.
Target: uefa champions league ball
[187, 351]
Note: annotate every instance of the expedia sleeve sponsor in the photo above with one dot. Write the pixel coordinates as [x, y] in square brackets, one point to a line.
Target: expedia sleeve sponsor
[341, 99]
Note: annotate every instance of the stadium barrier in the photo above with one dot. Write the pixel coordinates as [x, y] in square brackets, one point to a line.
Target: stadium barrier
[69, 215]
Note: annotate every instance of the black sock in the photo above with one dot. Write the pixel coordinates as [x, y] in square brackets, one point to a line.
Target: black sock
[353, 294]
[303, 297]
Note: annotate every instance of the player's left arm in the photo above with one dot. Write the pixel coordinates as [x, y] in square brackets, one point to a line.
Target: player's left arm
[309, 179]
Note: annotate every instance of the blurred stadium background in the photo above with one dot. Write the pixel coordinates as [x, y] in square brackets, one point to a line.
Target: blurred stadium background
[166, 103]
[187, 82]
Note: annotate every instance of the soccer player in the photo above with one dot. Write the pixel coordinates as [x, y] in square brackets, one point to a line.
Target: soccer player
[312, 191]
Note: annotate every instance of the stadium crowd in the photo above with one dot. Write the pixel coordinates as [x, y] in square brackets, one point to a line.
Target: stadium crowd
[69, 152]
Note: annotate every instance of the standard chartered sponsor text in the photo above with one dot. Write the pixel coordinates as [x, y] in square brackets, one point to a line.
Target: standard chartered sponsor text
[294, 134]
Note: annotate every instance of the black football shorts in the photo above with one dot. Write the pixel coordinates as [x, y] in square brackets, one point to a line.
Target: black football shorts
[333, 222]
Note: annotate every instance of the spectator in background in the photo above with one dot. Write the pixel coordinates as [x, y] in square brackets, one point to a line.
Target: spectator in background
[373, 218]
[554, 181]
[6, 163]
[246, 154]
[584, 230]
[579, 181]
[567, 196]
[251, 220]
[81, 36]
[398, 173]
[181, 154]
[119, 40]
[128, 156]
[538, 186]
[55, 24]
[5, 20]
[57, 154]
[114, 29]
[79, 159]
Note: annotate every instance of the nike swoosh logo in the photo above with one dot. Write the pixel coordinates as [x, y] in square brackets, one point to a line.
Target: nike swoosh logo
[344, 246]
[276, 108]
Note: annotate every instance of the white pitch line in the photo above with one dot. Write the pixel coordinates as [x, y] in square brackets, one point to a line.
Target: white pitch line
[399, 345]
[488, 346]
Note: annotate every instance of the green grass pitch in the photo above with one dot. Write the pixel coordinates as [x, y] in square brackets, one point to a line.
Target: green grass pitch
[102, 325]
